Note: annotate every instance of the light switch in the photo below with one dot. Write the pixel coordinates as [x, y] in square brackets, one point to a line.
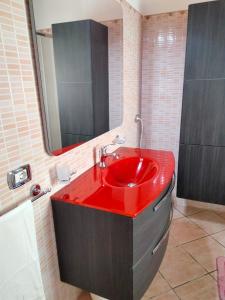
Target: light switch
[19, 176]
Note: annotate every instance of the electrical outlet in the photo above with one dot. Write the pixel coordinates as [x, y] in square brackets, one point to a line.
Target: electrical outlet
[19, 177]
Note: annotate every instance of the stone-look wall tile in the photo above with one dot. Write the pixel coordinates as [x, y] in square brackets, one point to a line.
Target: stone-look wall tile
[164, 43]
[115, 44]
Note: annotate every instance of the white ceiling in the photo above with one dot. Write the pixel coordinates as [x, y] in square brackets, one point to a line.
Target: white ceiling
[48, 12]
[150, 7]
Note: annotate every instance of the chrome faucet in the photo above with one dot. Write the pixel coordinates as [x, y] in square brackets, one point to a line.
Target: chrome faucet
[103, 153]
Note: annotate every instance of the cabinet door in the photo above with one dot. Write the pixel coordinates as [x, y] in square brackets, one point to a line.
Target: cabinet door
[201, 173]
[76, 108]
[205, 55]
[72, 51]
[100, 77]
[203, 113]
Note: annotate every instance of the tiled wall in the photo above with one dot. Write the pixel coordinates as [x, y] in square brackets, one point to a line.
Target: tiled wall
[164, 43]
[21, 141]
[21, 138]
[115, 32]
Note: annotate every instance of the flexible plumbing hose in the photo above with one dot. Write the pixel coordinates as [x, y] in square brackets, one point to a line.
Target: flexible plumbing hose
[138, 119]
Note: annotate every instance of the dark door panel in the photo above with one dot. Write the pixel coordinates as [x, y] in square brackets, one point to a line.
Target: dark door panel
[203, 113]
[201, 169]
[201, 173]
[205, 55]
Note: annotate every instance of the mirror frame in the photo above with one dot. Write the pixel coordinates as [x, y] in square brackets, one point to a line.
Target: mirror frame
[37, 75]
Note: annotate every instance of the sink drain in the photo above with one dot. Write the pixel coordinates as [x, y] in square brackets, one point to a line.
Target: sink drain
[131, 184]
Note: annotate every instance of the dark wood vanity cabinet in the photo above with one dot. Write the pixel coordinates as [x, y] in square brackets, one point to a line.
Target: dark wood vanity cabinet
[81, 64]
[111, 255]
[201, 167]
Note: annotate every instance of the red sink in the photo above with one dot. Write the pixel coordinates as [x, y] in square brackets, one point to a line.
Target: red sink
[131, 172]
[126, 187]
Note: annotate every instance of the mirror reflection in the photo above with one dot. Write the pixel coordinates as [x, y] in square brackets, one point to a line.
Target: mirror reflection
[79, 50]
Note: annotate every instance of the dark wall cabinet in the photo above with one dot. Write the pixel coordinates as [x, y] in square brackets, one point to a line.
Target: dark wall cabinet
[201, 170]
[202, 173]
[203, 116]
[111, 255]
[81, 62]
[205, 55]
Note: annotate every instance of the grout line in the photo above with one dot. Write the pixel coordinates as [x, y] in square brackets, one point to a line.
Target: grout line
[192, 222]
[165, 279]
[189, 215]
[176, 294]
[181, 246]
[193, 280]
[196, 259]
[219, 230]
[194, 240]
[216, 240]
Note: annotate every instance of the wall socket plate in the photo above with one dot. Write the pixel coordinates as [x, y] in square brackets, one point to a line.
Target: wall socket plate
[19, 176]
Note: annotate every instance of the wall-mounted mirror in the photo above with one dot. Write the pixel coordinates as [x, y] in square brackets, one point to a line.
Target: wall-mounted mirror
[79, 60]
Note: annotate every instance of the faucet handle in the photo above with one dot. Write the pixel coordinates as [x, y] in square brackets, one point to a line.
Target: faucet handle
[103, 149]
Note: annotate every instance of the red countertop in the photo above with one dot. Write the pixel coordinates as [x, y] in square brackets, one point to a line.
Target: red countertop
[91, 190]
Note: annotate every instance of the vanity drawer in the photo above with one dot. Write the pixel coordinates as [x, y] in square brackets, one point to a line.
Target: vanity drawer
[147, 267]
[145, 271]
[150, 225]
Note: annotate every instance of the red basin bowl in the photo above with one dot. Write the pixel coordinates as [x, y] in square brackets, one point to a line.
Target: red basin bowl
[131, 172]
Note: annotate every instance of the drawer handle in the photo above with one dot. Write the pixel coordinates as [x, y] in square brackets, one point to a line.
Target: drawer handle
[161, 202]
[166, 233]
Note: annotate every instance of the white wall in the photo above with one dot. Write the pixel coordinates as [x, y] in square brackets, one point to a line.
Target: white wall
[150, 7]
[48, 12]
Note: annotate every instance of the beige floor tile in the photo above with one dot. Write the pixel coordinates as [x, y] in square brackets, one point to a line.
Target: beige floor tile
[187, 210]
[157, 287]
[167, 296]
[183, 231]
[177, 214]
[178, 267]
[220, 237]
[218, 209]
[172, 242]
[84, 296]
[205, 251]
[208, 221]
[95, 297]
[204, 288]
[220, 213]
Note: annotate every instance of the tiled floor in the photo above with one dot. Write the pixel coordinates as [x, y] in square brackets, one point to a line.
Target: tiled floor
[188, 270]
